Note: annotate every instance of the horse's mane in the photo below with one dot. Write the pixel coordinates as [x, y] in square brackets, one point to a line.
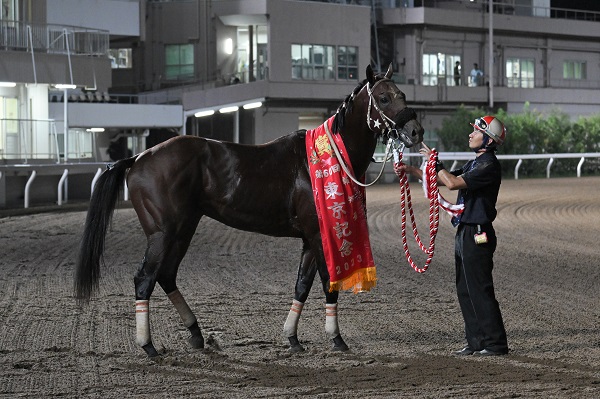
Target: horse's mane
[346, 106]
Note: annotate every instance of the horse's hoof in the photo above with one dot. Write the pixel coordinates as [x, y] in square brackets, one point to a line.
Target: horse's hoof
[339, 345]
[196, 342]
[150, 350]
[295, 346]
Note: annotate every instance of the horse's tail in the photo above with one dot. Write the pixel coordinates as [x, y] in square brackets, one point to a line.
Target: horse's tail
[100, 211]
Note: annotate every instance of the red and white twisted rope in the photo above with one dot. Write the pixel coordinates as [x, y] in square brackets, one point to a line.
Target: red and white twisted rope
[432, 193]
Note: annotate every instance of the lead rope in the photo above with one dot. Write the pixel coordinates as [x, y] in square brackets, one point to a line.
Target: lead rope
[434, 214]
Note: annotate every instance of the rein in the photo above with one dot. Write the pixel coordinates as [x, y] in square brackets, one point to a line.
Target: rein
[432, 193]
[345, 167]
[429, 180]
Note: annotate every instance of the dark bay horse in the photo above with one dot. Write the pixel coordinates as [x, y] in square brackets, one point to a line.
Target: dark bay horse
[259, 188]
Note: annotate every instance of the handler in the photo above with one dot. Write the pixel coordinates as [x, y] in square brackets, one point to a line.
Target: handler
[478, 182]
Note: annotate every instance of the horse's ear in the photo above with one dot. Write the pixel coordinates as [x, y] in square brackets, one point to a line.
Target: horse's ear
[390, 72]
[370, 74]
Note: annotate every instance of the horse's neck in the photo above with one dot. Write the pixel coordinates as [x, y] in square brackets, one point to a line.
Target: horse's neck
[360, 142]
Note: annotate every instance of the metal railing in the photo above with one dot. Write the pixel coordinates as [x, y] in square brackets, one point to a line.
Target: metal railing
[57, 39]
[25, 140]
[509, 7]
[465, 156]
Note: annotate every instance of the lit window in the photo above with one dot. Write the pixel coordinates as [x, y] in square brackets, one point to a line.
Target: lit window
[520, 72]
[347, 58]
[120, 58]
[574, 70]
[179, 61]
[438, 68]
[312, 62]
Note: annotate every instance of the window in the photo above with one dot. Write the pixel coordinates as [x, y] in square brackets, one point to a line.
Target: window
[574, 70]
[438, 68]
[312, 62]
[347, 62]
[520, 72]
[248, 70]
[9, 127]
[120, 58]
[179, 61]
[9, 10]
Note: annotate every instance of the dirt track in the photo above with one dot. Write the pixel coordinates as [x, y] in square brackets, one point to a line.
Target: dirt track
[401, 334]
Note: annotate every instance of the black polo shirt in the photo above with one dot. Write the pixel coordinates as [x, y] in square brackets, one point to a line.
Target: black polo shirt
[483, 176]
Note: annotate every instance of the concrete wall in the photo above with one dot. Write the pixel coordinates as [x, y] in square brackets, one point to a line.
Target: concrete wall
[315, 23]
[274, 123]
[16, 66]
[120, 17]
[119, 115]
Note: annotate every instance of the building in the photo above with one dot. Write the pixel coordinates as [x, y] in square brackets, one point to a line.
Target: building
[250, 71]
[55, 77]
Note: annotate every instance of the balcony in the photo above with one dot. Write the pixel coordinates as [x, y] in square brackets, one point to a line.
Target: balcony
[53, 39]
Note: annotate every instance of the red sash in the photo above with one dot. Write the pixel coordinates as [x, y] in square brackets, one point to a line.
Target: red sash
[341, 209]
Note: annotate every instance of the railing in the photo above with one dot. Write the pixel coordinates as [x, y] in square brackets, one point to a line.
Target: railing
[64, 170]
[32, 172]
[24, 140]
[509, 7]
[465, 156]
[58, 39]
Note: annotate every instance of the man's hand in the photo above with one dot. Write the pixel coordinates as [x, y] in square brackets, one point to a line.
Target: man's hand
[411, 170]
[425, 151]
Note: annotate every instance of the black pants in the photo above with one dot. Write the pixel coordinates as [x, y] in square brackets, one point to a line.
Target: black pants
[484, 327]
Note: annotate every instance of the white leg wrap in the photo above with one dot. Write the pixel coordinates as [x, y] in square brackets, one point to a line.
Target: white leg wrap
[331, 321]
[182, 307]
[142, 322]
[290, 328]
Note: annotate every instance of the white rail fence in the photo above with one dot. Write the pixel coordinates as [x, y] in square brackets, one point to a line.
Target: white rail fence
[465, 156]
[95, 169]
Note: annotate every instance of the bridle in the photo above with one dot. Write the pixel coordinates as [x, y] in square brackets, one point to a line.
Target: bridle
[388, 130]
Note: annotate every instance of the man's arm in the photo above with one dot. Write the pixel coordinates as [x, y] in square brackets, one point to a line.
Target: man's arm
[447, 179]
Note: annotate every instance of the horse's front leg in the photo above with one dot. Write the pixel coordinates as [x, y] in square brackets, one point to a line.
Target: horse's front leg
[306, 275]
[332, 328]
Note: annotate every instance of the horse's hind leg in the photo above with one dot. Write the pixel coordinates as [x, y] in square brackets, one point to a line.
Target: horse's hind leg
[196, 339]
[163, 256]
[167, 280]
[306, 275]
[145, 281]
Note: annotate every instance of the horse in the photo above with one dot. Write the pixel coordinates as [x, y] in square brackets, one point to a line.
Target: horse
[258, 188]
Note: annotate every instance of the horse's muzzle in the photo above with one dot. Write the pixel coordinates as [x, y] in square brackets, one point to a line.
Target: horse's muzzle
[410, 134]
[411, 131]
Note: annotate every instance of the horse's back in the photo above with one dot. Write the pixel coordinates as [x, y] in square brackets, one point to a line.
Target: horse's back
[251, 187]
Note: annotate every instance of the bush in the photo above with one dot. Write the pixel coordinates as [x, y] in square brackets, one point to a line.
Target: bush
[530, 132]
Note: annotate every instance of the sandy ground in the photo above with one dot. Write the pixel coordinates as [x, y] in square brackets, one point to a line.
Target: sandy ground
[401, 334]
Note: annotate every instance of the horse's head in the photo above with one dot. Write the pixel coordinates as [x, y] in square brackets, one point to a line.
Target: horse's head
[387, 112]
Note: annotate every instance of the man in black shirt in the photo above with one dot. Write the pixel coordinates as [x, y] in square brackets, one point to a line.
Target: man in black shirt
[478, 182]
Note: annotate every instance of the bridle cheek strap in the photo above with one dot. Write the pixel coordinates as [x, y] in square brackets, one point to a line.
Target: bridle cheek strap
[389, 125]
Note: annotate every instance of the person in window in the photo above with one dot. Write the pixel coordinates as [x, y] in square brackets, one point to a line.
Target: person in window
[478, 184]
[457, 69]
[476, 75]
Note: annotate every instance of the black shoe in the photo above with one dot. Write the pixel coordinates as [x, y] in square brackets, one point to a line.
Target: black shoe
[466, 351]
[487, 352]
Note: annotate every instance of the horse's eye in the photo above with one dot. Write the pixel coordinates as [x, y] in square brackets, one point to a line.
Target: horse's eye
[384, 100]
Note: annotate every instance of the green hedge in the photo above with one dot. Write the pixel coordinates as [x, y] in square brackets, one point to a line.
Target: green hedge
[531, 132]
